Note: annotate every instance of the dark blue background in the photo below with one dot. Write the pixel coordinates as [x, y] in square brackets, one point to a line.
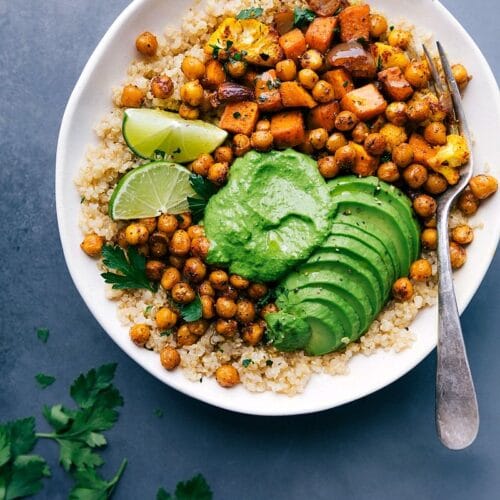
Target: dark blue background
[382, 447]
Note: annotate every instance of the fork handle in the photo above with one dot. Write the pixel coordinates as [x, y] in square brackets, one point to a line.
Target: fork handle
[457, 414]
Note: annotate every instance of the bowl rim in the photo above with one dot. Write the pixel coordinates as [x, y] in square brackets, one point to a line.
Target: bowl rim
[68, 116]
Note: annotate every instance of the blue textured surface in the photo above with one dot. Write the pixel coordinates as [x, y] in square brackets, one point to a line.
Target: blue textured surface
[382, 447]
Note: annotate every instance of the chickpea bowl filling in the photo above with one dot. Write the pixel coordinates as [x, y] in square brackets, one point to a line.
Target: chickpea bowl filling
[262, 201]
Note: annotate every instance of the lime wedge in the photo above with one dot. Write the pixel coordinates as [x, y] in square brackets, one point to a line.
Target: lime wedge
[150, 133]
[150, 190]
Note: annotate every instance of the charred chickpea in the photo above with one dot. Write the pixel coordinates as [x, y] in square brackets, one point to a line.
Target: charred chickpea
[388, 172]
[183, 293]
[154, 270]
[328, 167]
[417, 74]
[223, 154]
[207, 306]
[139, 334]
[252, 334]
[165, 318]
[306, 147]
[180, 244]
[92, 245]
[170, 358]
[402, 289]
[158, 244]
[184, 337]
[418, 111]
[185, 220]
[227, 376]
[483, 186]
[458, 255]
[461, 75]
[286, 70]
[196, 231]
[226, 327]
[257, 290]
[429, 238]
[168, 224]
[420, 270]
[229, 292]
[219, 279]
[360, 132]
[132, 97]
[424, 205]
[345, 156]
[241, 145]
[170, 277]
[345, 121]
[312, 59]
[177, 262]
[435, 184]
[188, 112]
[200, 247]
[402, 155]
[399, 38]
[336, 141]
[263, 125]
[236, 69]
[378, 25]
[121, 238]
[396, 113]
[150, 223]
[245, 311]
[308, 78]
[318, 138]
[195, 270]
[147, 44]
[268, 309]
[193, 68]
[431, 221]
[226, 308]
[136, 234]
[217, 173]
[415, 175]
[463, 234]
[467, 203]
[238, 282]
[192, 93]
[162, 87]
[435, 133]
[202, 164]
[206, 288]
[375, 144]
[323, 92]
[262, 140]
[198, 327]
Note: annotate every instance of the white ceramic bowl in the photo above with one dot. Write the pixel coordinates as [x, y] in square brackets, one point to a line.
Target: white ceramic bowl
[91, 99]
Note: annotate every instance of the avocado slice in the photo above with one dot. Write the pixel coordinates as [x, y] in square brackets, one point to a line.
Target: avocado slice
[287, 332]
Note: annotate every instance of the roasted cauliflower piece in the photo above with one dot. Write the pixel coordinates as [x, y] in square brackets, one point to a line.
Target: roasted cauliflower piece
[256, 42]
[450, 157]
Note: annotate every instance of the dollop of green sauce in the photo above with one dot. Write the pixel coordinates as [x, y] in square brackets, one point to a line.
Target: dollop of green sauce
[273, 212]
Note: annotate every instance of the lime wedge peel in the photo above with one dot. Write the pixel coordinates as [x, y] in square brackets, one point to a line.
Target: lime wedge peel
[149, 132]
[151, 190]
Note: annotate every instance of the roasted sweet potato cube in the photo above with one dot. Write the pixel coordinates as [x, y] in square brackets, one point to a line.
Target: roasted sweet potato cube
[323, 116]
[366, 102]
[288, 129]
[293, 95]
[365, 164]
[267, 92]
[293, 44]
[320, 33]
[422, 150]
[355, 23]
[240, 117]
[356, 60]
[340, 80]
[395, 84]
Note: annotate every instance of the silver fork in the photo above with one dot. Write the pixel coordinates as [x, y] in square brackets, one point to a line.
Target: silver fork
[457, 414]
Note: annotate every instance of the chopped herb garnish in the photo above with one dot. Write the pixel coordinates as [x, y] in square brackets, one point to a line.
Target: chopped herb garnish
[82, 199]
[217, 48]
[204, 189]
[193, 489]
[238, 56]
[167, 333]
[147, 310]
[380, 65]
[193, 311]
[253, 13]
[386, 156]
[345, 84]
[237, 115]
[273, 84]
[362, 40]
[302, 17]
[246, 363]
[44, 380]
[268, 297]
[159, 154]
[158, 413]
[132, 268]
[43, 334]
[269, 362]
[391, 27]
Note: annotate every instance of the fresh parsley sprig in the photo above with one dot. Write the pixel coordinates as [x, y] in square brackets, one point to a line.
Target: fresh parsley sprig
[252, 13]
[204, 189]
[192, 311]
[194, 489]
[303, 17]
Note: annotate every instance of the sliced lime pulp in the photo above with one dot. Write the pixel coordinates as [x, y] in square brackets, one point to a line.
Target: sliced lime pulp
[150, 190]
[152, 133]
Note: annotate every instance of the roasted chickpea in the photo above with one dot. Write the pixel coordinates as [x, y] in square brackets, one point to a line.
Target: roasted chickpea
[158, 245]
[154, 270]
[483, 186]
[200, 247]
[238, 282]
[170, 277]
[245, 312]
[396, 113]
[229, 292]
[217, 173]
[378, 25]
[463, 234]
[121, 238]
[185, 220]
[92, 245]
[150, 223]
[286, 70]
[219, 279]
[415, 175]
[195, 270]
[169, 358]
[165, 318]
[420, 270]
[206, 288]
[467, 203]
[226, 308]
[388, 172]
[461, 75]
[192, 93]
[336, 141]
[458, 255]
[417, 74]
[177, 262]
[263, 125]
[227, 376]
[183, 293]
[375, 144]
[269, 309]
[193, 68]
[198, 327]
[241, 144]
[162, 87]
[147, 44]
[435, 184]
[168, 224]
[318, 138]
[262, 140]
[323, 92]
[223, 154]
[184, 337]
[429, 238]
[236, 69]
[196, 231]
[257, 290]
[345, 121]
[345, 157]
[202, 164]
[180, 244]
[136, 234]
[226, 327]
[435, 133]
[418, 111]
[312, 59]
[188, 112]
[132, 97]
[377, 125]
[402, 290]
[207, 307]
[308, 78]
[139, 334]
[424, 205]
[328, 167]
[399, 38]
[431, 221]
[360, 132]
[402, 155]
[253, 334]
